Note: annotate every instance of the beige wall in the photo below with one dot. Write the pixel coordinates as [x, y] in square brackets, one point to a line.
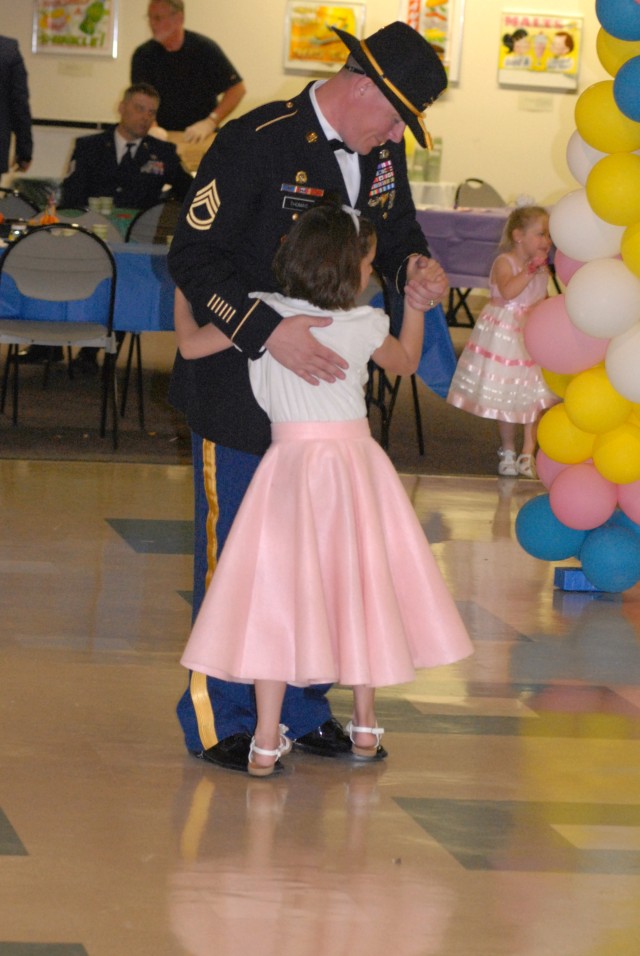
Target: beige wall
[515, 139]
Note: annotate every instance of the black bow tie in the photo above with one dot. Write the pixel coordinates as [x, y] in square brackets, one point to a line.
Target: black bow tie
[337, 144]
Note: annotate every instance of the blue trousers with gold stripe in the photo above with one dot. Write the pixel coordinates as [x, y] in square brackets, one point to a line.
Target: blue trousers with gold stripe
[212, 709]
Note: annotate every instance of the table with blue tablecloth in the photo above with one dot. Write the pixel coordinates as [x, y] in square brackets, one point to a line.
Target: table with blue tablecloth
[144, 294]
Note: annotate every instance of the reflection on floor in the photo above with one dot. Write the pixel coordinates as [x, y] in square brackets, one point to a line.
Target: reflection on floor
[506, 821]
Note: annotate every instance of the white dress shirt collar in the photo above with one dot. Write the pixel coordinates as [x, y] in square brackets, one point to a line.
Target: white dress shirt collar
[121, 145]
[348, 162]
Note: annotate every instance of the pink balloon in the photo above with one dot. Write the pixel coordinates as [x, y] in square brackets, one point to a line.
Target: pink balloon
[554, 343]
[547, 468]
[565, 266]
[581, 498]
[629, 500]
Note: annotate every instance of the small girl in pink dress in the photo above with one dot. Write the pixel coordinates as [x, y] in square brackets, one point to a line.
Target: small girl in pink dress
[495, 377]
[326, 574]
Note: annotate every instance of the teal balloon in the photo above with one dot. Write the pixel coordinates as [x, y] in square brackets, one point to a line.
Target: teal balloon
[610, 558]
[541, 535]
[620, 520]
[620, 18]
[626, 89]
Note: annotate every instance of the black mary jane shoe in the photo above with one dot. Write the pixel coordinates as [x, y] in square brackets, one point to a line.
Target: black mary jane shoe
[232, 753]
[39, 354]
[330, 740]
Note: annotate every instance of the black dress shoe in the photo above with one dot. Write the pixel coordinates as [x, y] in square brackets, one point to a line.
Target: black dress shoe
[329, 740]
[39, 354]
[232, 753]
[86, 361]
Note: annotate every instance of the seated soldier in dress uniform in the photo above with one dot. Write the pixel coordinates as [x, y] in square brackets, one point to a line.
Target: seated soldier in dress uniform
[134, 169]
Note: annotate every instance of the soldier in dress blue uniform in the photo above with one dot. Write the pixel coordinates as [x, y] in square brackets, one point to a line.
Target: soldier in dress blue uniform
[126, 163]
[344, 136]
[15, 112]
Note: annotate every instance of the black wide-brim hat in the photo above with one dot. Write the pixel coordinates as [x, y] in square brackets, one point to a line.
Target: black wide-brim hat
[404, 67]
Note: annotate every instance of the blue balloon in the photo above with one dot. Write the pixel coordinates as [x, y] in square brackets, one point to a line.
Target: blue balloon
[626, 89]
[541, 535]
[620, 18]
[611, 558]
[620, 520]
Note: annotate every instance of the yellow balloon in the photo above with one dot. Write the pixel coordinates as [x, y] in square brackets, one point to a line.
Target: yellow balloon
[613, 188]
[561, 440]
[616, 454]
[592, 403]
[556, 381]
[613, 52]
[630, 248]
[601, 124]
[634, 417]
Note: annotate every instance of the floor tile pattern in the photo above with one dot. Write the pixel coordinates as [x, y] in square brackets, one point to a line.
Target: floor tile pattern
[505, 822]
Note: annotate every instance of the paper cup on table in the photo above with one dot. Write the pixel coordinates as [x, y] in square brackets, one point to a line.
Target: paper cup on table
[99, 229]
[106, 205]
[94, 203]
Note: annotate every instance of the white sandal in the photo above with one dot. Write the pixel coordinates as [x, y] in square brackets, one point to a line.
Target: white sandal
[507, 465]
[364, 753]
[258, 770]
[526, 466]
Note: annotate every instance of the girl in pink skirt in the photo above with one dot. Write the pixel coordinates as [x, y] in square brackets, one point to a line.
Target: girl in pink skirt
[326, 575]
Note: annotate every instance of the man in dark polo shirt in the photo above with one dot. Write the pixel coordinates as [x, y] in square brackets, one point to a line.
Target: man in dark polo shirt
[198, 84]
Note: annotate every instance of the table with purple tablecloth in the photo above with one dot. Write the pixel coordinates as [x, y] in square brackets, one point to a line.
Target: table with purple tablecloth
[465, 243]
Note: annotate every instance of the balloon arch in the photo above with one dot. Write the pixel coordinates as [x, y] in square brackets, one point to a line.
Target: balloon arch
[587, 339]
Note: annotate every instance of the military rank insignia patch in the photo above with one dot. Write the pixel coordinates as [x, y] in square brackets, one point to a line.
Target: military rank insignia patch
[204, 208]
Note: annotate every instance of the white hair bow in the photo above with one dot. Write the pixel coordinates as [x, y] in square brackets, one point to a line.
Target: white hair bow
[355, 214]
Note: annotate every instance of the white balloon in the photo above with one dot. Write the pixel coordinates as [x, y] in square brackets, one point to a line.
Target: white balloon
[579, 233]
[603, 298]
[581, 158]
[622, 362]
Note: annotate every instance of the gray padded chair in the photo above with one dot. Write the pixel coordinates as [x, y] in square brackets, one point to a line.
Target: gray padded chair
[15, 206]
[473, 194]
[54, 264]
[88, 219]
[156, 224]
[476, 194]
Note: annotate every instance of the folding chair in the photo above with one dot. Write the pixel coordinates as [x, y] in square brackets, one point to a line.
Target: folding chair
[13, 205]
[477, 194]
[87, 218]
[381, 392]
[155, 225]
[53, 265]
[474, 194]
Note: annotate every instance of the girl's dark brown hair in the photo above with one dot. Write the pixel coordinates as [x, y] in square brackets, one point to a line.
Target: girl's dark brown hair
[320, 258]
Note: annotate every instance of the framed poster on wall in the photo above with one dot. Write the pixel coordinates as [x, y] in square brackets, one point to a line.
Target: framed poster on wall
[309, 43]
[87, 27]
[539, 50]
[441, 24]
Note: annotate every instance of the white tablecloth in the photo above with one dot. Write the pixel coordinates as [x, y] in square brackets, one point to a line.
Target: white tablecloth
[433, 194]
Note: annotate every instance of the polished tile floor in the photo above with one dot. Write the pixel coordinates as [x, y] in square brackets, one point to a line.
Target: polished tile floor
[506, 821]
